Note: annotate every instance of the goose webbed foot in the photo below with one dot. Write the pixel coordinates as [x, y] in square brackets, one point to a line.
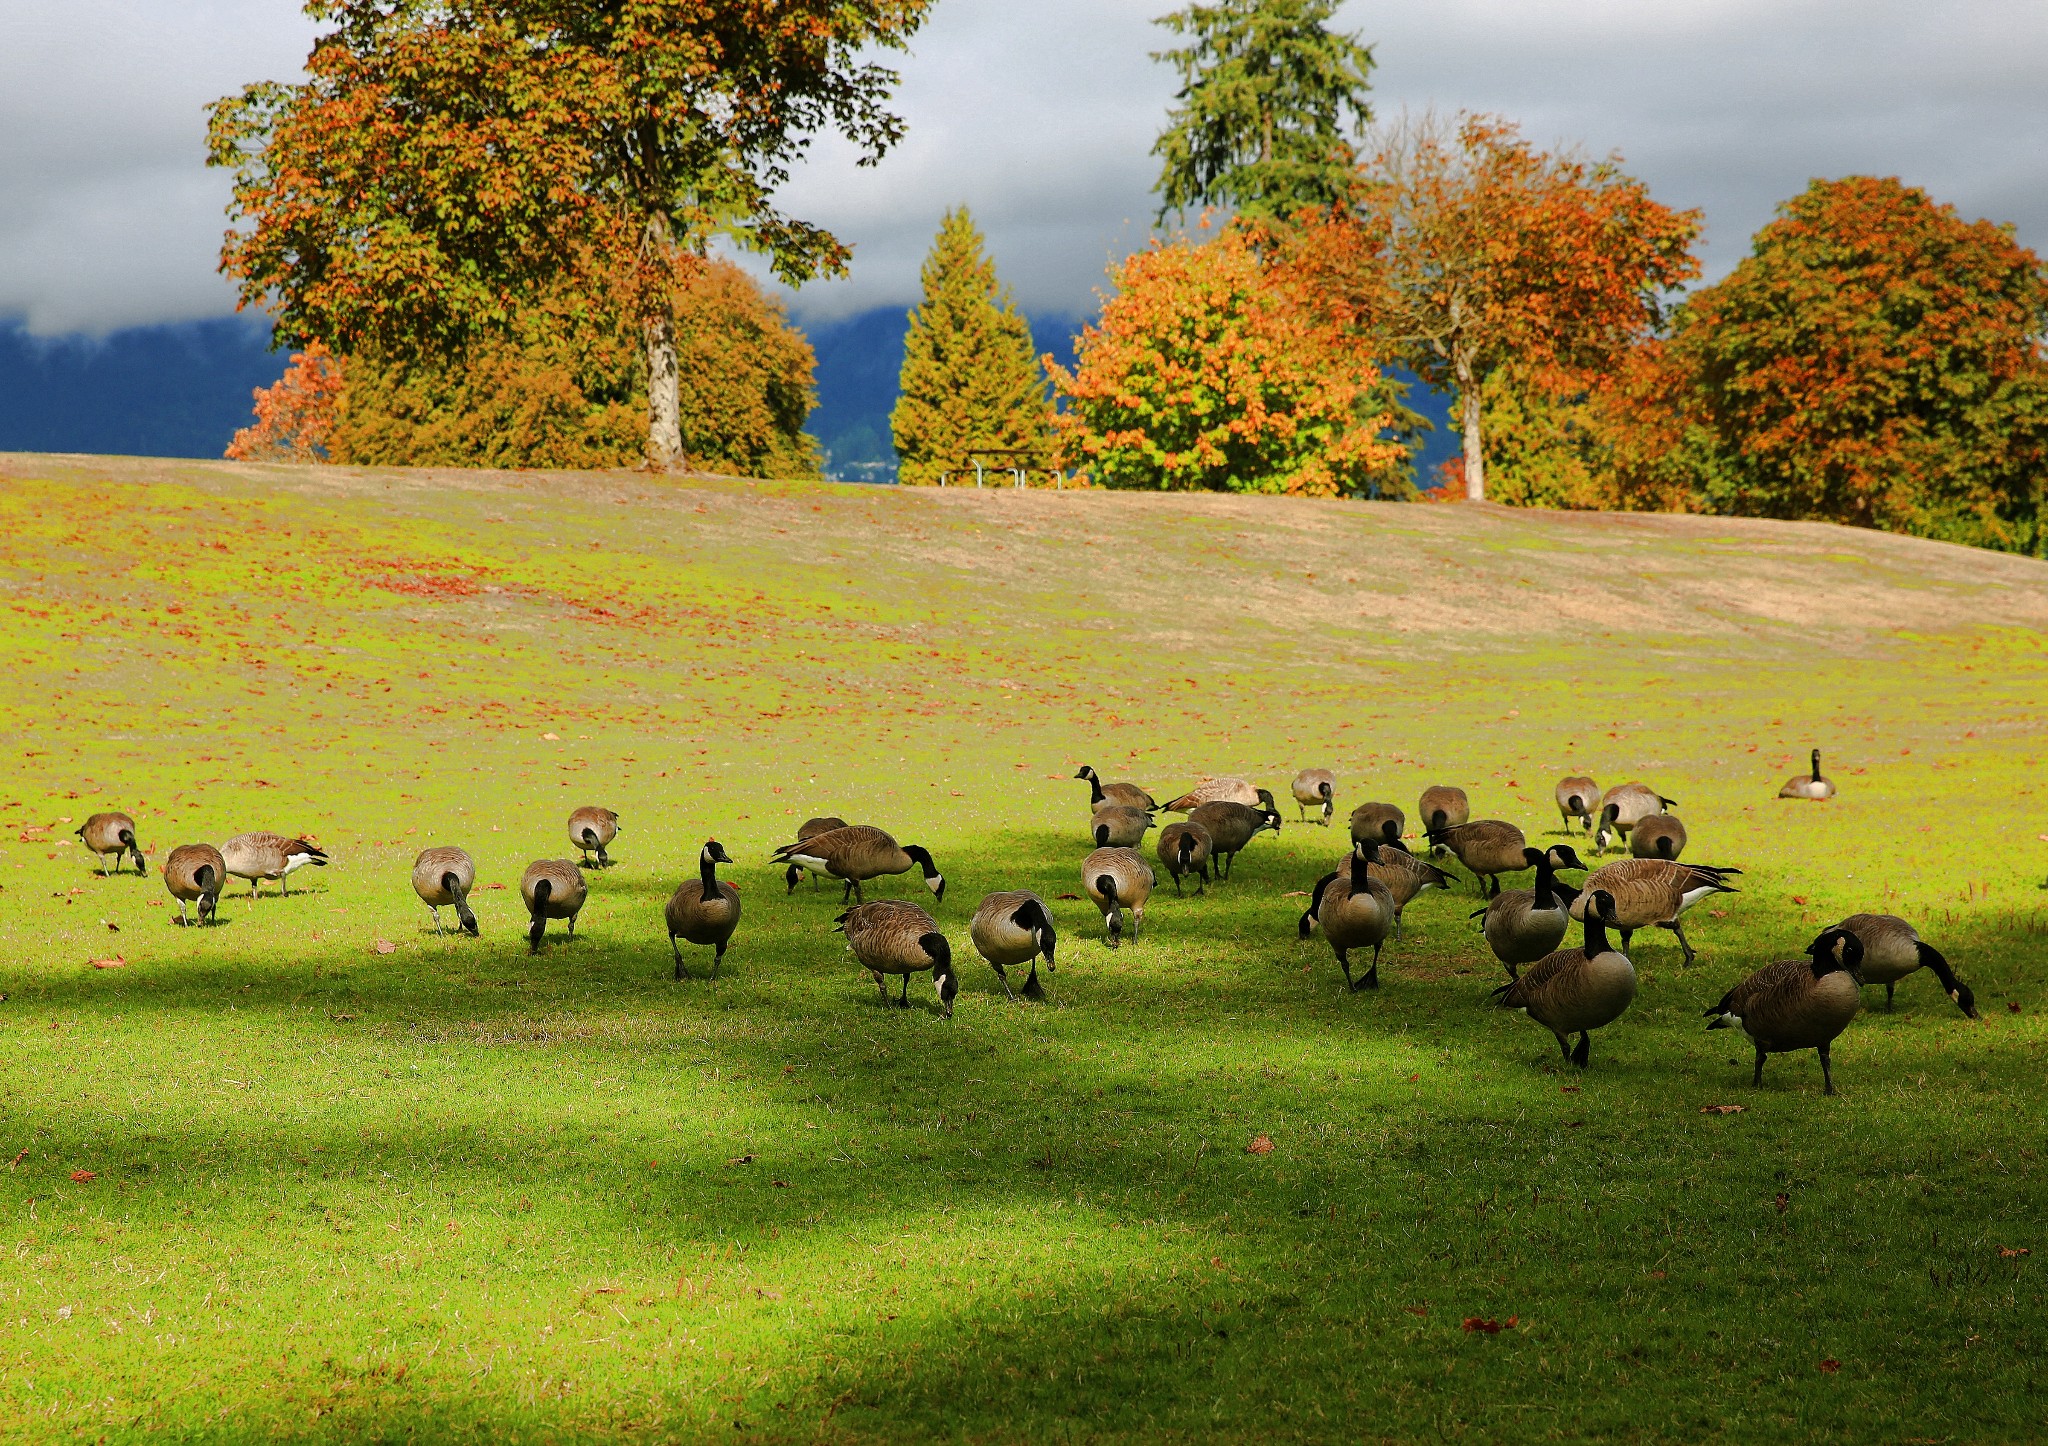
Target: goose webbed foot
[1032, 988]
[1584, 1052]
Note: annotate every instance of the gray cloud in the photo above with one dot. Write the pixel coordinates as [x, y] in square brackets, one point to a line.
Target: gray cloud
[1040, 115]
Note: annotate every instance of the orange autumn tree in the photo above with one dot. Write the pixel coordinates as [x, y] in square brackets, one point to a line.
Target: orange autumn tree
[1210, 371]
[295, 418]
[1468, 249]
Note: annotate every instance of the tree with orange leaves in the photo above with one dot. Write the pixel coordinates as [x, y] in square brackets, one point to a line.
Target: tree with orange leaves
[1468, 249]
[295, 418]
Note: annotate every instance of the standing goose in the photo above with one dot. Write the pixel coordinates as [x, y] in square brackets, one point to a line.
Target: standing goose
[1576, 990]
[1654, 891]
[1127, 794]
[1315, 788]
[112, 833]
[1525, 925]
[702, 910]
[264, 855]
[1230, 827]
[1626, 805]
[1379, 822]
[809, 829]
[1892, 949]
[1660, 836]
[1354, 910]
[195, 872]
[892, 937]
[1809, 785]
[1220, 790]
[1405, 876]
[552, 889]
[590, 829]
[1799, 1004]
[860, 853]
[1578, 797]
[1488, 848]
[1118, 879]
[1185, 848]
[1114, 824]
[1442, 807]
[1012, 928]
[444, 877]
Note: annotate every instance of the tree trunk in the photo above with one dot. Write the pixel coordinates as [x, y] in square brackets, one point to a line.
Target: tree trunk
[1468, 407]
[664, 415]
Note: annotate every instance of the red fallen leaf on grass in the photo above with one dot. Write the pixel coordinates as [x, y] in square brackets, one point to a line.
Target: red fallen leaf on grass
[17, 1159]
[114, 963]
[1567, 1089]
[1260, 1145]
[1783, 1202]
[1722, 1109]
[1478, 1323]
[1416, 1310]
[82, 1176]
[2012, 1006]
[112, 927]
[385, 946]
[2005, 1252]
[1799, 898]
[782, 1184]
[1830, 1366]
[1076, 896]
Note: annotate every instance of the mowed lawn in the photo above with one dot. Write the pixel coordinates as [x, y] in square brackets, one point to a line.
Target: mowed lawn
[320, 1174]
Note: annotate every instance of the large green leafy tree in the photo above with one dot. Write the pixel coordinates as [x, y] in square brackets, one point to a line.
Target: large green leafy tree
[447, 164]
[971, 377]
[1875, 360]
[1270, 101]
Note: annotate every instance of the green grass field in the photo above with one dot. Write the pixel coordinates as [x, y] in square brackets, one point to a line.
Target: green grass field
[455, 1192]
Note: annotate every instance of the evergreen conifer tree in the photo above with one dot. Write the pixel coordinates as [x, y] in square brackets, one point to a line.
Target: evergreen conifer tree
[971, 377]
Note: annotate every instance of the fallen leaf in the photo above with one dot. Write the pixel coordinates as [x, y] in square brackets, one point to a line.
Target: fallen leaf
[114, 963]
[112, 927]
[1567, 1089]
[2012, 1006]
[551, 738]
[1417, 1310]
[1717, 913]
[1295, 894]
[385, 946]
[17, 1159]
[2005, 1252]
[1076, 896]
[1722, 1109]
[1260, 1145]
[1830, 1366]
[610, 1290]
[82, 1176]
[1783, 1202]
[1478, 1323]
[782, 1184]
[1657, 1275]
[1799, 898]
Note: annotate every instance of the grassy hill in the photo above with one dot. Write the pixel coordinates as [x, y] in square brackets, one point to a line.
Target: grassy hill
[352, 1180]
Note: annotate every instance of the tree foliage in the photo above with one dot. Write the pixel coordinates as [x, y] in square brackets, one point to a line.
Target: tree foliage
[971, 377]
[295, 416]
[1269, 103]
[1211, 370]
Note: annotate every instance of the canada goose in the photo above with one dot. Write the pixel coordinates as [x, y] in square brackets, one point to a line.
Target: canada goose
[1315, 788]
[1624, 806]
[195, 871]
[1221, 790]
[112, 833]
[1654, 891]
[1892, 949]
[1118, 879]
[1488, 848]
[1576, 990]
[859, 853]
[809, 829]
[1014, 927]
[1660, 836]
[445, 876]
[1127, 794]
[1185, 848]
[1353, 910]
[1525, 925]
[892, 937]
[590, 829]
[1809, 785]
[265, 855]
[1798, 1004]
[1578, 797]
[552, 889]
[1405, 876]
[1443, 806]
[1113, 824]
[1380, 822]
[1230, 827]
[703, 910]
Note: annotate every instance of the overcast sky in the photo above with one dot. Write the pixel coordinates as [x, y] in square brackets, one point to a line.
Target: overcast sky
[1040, 115]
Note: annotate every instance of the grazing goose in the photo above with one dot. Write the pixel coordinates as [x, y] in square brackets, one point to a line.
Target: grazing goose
[1442, 807]
[1809, 785]
[1185, 848]
[1798, 1004]
[1892, 949]
[195, 872]
[1378, 822]
[1405, 876]
[112, 833]
[1660, 836]
[1488, 848]
[1354, 910]
[1012, 928]
[443, 877]
[552, 889]
[860, 853]
[1577, 798]
[1626, 805]
[1113, 824]
[892, 937]
[1576, 991]
[1654, 891]
[264, 855]
[1118, 879]
[1525, 925]
[1220, 790]
[1315, 788]
[1230, 827]
[809, 829]
[590, 829]
[1127, 794]
[703, 910]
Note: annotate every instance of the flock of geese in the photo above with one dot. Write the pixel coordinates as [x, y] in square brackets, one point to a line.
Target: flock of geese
[1798, 1004]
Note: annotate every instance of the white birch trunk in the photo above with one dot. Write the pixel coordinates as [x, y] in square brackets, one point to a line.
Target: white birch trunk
[1468, 407]
[664, 414]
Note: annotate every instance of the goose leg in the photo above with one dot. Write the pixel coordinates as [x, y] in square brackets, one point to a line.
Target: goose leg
[1756, 1080]
[1032, 988]
[1626, 935]
[883, 985]
[437, 917]
[1004, 979]
[1344, 963]
[677, 950]
[717, 956]
[572, 926]
[1397, 926]
[847, 892]
[1888, 993]
[1564, 1043]
[1678, 928]
[1372, 975]
[1176, 885]
[904, 1001]
[1205, 882]
[187, 923]
[1585, 1049]
[1827, 1075]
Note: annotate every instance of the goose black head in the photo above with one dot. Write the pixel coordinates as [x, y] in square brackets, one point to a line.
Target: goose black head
[714, 852]
[933, 879]
[1272, 819]
[944, 979]
[1265, 798]
[1602, 905]
[1085, 772]
[1562, 857]
[1836, 949]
